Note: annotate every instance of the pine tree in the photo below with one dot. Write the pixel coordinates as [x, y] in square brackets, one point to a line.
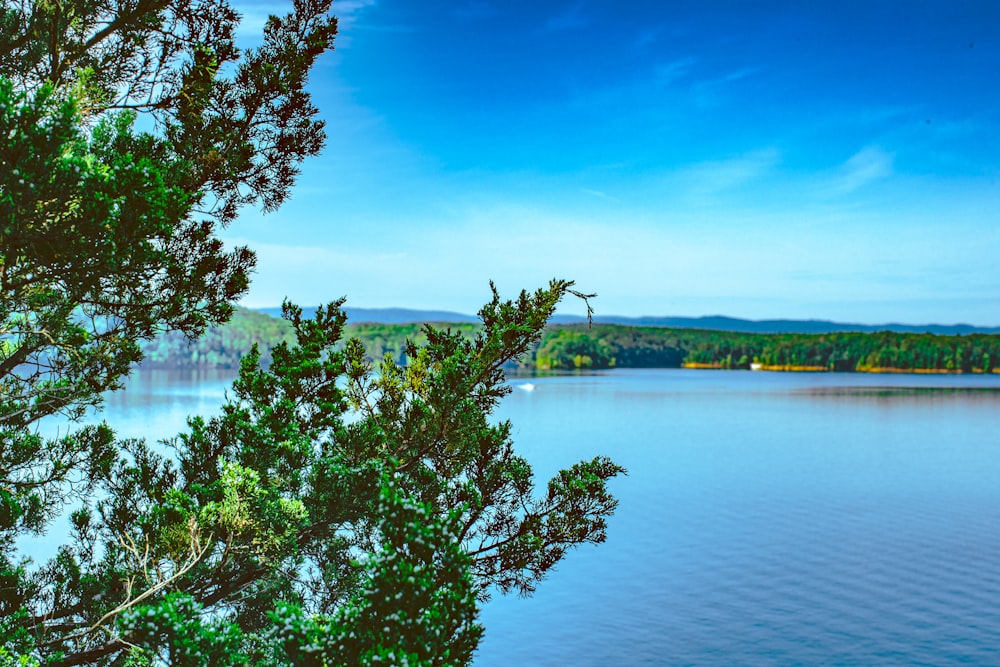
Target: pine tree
[335, 512]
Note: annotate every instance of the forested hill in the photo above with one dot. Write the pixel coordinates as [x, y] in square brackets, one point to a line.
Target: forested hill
[722, 323]
[387, 315]
[575, 346]
[713, 322]
[219, 347]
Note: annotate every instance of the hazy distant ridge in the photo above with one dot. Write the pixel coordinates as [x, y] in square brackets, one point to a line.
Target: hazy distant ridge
[714, 322]
[723, 323]
[386, 315]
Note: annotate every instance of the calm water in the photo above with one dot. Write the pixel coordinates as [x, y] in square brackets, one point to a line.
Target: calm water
[768, 518]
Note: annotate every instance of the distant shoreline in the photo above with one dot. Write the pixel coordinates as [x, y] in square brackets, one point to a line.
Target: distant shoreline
[604, 346]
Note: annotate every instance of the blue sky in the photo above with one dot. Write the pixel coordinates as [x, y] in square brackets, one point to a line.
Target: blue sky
[836, 160]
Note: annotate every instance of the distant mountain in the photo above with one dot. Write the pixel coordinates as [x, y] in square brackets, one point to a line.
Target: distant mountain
[713, 322]
[386, 315]
[723, 323]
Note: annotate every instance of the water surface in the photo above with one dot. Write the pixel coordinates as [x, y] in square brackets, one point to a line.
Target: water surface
[768, 518]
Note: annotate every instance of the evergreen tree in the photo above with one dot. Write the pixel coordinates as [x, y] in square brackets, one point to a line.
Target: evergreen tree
[333, 513]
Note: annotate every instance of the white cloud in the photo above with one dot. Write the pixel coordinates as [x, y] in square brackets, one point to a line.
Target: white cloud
[350, 7]
[666, 73]
[717, 176]
[256, 12]
[706, 85]
[310, 275]
[570, 19]
[599, 194]
[864, 263]
[867, 166]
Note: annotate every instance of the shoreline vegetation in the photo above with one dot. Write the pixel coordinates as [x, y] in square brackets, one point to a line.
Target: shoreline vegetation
[790, 368]
[571, 347]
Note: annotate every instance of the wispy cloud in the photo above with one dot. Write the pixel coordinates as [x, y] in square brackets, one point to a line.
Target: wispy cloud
[713, 177]
[667, 73]
[307, 274]
[648, 36]
[729, 77]
[651, 94]
[599, 194]
[869, 165]
[712, 92]
[572, 18]
[256, 12]
[348, 13]
[349, 9]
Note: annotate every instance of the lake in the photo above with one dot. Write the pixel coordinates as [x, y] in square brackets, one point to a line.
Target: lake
[767, 519]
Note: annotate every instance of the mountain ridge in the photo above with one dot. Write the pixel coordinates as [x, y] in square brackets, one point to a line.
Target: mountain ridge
[358, 315]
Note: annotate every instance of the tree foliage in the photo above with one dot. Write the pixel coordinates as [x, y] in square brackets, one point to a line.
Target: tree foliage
[376, 503]
[335, 512]
[108, 234]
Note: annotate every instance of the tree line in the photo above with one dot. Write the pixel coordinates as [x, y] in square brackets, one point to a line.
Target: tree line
[601, 346]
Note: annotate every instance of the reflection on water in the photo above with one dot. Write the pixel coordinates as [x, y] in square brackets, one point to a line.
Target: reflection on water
[988, 393]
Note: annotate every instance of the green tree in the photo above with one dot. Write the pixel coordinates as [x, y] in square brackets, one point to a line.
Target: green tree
[108, 235]
[334, 512]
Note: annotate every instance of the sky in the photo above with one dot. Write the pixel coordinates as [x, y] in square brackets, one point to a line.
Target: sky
[832, 160]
